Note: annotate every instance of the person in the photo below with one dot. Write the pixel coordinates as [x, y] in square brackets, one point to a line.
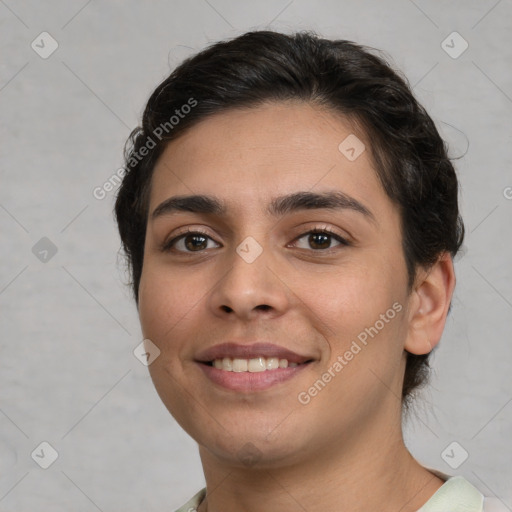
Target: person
[289, 215]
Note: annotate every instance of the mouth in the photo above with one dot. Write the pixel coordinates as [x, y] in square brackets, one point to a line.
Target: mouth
[249, 368]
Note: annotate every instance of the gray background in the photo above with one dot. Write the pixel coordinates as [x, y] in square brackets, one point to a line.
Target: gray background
[68, 375]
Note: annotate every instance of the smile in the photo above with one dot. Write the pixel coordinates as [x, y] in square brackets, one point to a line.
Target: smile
[249, 367]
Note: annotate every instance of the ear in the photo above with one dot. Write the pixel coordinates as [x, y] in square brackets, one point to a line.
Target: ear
[429, 305]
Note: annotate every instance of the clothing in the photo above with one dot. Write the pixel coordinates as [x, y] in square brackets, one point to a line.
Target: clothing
[194, 502]
[455, 495]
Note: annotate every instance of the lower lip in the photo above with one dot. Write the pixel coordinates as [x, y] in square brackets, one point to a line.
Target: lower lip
[248, 381]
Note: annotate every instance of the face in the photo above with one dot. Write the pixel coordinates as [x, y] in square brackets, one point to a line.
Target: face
[293, 257]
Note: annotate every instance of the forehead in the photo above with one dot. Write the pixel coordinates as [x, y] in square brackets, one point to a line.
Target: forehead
[249, 155]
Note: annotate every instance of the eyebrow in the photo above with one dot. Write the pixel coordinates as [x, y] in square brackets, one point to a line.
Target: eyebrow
[279, 206]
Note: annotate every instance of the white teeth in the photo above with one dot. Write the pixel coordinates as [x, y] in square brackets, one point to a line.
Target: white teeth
[272, 363]
[257, 365]
[239, 365]
[254, 365]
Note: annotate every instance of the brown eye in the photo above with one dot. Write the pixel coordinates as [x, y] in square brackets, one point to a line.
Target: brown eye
[195, 242]
[192, 241]
[321, 239]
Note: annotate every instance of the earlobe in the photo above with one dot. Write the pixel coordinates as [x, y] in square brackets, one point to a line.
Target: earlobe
[429, 306]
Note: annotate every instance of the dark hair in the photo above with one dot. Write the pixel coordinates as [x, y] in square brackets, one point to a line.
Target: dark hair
[410, 157]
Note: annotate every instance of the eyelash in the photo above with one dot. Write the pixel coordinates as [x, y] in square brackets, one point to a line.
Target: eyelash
[168, 245]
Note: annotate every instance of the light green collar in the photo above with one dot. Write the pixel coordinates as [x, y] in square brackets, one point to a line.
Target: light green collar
[194, 502]
[455, 495]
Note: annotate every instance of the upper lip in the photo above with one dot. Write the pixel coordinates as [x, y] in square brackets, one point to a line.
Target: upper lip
[249, 351]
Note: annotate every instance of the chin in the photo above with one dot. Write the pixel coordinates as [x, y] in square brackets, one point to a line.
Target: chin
[253, 447]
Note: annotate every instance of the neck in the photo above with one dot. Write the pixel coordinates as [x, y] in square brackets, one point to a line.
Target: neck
[370, 472]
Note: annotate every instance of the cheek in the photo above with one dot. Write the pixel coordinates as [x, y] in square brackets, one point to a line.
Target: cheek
[353, 296]
[359, 310]
[164, 299]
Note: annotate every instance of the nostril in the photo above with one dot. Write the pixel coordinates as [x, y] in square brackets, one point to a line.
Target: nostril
[264, 307]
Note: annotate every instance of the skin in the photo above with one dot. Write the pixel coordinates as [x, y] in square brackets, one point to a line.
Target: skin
[327, 454]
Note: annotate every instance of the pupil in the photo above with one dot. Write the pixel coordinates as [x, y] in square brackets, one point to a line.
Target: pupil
[195, 245]
[320, 235]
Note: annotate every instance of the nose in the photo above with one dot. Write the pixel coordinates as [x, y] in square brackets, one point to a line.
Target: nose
[249, 289]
